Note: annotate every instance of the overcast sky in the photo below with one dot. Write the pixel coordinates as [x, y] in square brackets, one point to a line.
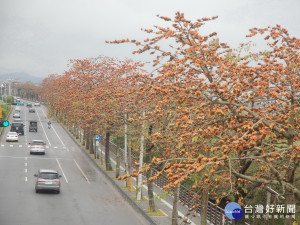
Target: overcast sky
[39, 37]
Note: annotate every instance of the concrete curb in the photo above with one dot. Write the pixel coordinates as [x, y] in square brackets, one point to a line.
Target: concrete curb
[125, 196]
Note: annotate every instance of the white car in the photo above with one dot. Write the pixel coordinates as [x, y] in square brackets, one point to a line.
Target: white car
[16, 115]
[37, 104]
[12, 136]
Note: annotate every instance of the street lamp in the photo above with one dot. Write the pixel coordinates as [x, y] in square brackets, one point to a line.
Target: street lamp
[2, 92]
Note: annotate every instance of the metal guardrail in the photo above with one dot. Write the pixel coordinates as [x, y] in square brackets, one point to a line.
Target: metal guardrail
[215, 214]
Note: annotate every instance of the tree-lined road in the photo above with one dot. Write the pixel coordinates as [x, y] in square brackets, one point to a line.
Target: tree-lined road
[86, 197]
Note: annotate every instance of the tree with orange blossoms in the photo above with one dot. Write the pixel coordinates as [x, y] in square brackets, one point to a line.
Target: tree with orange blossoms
[234, 115]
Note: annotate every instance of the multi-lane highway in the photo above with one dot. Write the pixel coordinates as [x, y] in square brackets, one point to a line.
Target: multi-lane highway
[86, 198]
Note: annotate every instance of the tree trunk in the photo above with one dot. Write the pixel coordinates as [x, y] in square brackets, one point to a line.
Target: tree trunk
[289, 194]
[118, 157]
[129, 181]
[149, 147]
[91, 147]
[175, 205]
[141, 159]
[87, 140]
[107, 156]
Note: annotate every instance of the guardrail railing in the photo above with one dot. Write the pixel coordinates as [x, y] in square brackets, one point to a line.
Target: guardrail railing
[188, 198]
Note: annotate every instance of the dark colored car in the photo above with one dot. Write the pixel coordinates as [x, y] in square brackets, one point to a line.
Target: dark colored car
[32, 126]
[32, 110]
[17, 127]
[29, 105]
[47, 180]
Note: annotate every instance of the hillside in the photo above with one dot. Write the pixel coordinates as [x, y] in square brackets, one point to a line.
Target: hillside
[22, 77]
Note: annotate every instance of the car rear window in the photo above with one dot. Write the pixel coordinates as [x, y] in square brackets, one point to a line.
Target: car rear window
[38, 143]
[17, 124]
[49, 176]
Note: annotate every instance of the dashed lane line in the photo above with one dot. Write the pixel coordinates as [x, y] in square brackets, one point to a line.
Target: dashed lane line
[43, 128]
[62, 170]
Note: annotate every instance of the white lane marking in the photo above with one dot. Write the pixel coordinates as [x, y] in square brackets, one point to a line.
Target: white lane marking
[11, 146]
[82, 172]
[55, 147]
[2, 145]
[55, 131]
[20, 146]
[26, 179]
[25, 164]
[25, 170]
[62, 170]
[25, 158]
[43, 128]
[33, 157]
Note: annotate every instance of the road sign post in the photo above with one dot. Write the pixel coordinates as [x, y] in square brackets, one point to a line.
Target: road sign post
[97, 139]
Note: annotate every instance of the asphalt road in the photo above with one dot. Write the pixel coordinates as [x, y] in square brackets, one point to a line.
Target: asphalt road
[86, 197]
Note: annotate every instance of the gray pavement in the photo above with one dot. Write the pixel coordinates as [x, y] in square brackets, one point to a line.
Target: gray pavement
[87, 196]
[163, 204]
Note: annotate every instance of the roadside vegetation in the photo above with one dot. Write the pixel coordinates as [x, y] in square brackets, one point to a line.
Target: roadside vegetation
[224, 122]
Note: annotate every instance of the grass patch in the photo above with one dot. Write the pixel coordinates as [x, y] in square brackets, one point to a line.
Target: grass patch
[157, 212]
[142, 200]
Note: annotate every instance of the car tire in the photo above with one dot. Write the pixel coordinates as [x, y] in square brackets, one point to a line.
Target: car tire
[57, 192]
[36, 191]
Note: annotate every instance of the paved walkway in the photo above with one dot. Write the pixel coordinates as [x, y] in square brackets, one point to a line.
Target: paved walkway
[163, 202]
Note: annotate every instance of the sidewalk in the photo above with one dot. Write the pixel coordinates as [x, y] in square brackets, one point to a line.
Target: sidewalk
[163, 202]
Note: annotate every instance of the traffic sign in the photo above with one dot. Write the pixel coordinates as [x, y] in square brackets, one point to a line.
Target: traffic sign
[97, 137]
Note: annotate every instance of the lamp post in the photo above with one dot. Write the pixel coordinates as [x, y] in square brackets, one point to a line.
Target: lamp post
[2, 91]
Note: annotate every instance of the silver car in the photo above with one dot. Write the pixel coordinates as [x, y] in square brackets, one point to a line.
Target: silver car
[16, 115]
[37, 150]
[47, 180]
[39, 143]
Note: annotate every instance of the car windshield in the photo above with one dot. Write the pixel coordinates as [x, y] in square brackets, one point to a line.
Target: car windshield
[49, 176]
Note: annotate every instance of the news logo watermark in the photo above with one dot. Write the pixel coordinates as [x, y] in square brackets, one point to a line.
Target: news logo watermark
[233, 211]
[280, 211]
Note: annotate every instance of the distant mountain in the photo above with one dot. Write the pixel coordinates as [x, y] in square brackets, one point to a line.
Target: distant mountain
[22, 77]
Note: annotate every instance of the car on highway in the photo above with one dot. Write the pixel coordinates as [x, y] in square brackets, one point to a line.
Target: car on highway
[18, 109]
[32, 110]
[12, 136]
[37, 150]
[29, 105]
[16, 115]
[37, 104]
[37, 143]
[47, 180]
[17, 120]
[17, 127]
[32, 126]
